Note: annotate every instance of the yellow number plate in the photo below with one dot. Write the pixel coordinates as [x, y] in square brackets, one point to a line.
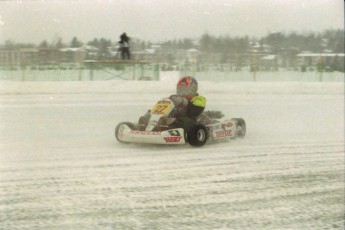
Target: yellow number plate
[162, 107]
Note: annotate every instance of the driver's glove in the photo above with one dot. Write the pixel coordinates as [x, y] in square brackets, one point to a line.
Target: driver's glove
[178, 101]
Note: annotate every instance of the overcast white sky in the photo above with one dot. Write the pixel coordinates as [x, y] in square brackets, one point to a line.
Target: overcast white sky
[158, 20]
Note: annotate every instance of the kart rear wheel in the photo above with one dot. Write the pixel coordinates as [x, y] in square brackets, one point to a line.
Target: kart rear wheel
[240, 127]
[118, 127]
[197, 135]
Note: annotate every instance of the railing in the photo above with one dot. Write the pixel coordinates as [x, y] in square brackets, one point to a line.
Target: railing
[88, 71]
[248, 74]
[101, 71]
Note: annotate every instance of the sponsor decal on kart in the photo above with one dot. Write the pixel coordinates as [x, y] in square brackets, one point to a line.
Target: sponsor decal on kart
[172, 139]
[229, 124]
[145, 132]
[223, 133]
[174, 133]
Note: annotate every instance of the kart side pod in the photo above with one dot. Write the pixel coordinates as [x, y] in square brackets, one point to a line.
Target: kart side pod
[126, 132]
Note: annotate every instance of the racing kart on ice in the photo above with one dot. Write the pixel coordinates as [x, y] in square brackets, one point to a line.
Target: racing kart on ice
[209, 127]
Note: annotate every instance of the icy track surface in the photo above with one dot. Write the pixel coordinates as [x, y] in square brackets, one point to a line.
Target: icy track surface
[61, 167]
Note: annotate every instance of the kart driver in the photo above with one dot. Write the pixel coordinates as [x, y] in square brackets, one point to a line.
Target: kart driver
[188, 102]
[189, 105]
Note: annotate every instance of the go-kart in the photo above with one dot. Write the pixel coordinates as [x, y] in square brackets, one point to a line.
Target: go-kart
[154, 127]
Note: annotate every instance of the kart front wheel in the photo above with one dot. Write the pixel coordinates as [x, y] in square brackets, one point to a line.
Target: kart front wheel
[197, 135]
[118, 128]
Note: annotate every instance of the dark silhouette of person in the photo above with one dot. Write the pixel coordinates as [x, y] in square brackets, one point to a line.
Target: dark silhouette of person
[124, 47]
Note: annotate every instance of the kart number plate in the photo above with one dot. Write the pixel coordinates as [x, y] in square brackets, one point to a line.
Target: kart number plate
[162, 107]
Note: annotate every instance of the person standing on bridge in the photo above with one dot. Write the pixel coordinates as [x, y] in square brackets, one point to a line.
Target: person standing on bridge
[124, 47]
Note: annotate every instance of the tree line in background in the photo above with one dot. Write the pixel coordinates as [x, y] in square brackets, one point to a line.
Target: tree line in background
[328, 41]
[332, 40]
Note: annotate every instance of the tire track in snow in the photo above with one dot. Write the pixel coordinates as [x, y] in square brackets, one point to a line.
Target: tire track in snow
[273, 185]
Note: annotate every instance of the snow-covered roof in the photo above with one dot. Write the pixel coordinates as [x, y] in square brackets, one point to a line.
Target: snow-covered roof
[145, 51]
[71, 49]
[84, 48]
[155, 46]
[321, 55]
[192, 50]
[150, 51]
[269, 57]
[258, 45]
[90, 48]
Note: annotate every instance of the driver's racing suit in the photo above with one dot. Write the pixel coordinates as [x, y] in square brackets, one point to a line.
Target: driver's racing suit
[187, 111]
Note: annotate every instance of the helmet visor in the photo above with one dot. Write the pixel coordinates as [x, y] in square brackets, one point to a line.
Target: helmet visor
[187, 86]
[184, 91]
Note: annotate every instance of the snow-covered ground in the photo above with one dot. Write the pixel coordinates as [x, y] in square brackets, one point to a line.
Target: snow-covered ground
[61, 167]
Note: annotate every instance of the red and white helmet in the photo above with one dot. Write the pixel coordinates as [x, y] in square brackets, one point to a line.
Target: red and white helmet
[187, 87]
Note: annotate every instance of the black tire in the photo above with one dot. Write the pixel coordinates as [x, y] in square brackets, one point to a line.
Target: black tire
[240, 124]
[197, 135]
[130, 125]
